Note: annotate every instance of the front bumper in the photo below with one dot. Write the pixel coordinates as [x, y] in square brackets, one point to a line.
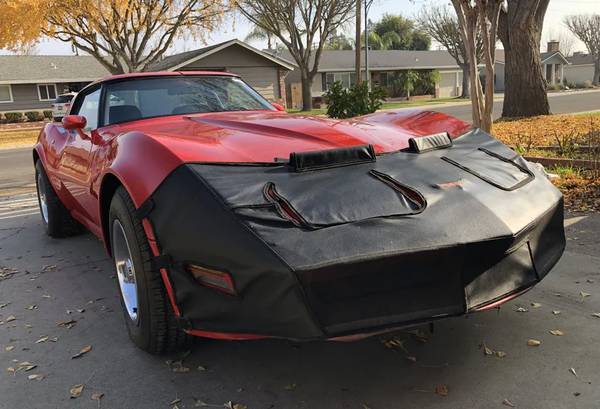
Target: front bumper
[474, 245]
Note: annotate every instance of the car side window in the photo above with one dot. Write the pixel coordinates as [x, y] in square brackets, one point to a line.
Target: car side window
[89, 109]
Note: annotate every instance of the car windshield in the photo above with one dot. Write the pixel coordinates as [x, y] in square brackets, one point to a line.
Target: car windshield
[141, 98]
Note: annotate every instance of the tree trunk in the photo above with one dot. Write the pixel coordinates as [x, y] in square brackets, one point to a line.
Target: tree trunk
[525, 87]
[357, 49]
[307, 81]
[596, 80]
[466, 86]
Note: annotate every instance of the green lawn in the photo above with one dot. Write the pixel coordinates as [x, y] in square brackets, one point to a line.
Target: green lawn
[390, 105]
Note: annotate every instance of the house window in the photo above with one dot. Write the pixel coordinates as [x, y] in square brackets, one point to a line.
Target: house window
[47, 92]
[346, 78]
[5, 93]
[384, 79]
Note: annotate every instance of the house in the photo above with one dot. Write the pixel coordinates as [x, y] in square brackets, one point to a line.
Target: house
[32, 82]
[580, 69]
[553, 64]
[263, 71]
[338, 65]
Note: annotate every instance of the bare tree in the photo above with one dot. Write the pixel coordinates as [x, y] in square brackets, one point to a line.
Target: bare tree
[520, 31]
[480, 16]
[587, 28]
[441, 24]
[303, 26]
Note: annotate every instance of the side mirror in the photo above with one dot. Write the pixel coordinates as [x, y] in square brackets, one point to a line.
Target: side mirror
[74, 122]
[278, 107]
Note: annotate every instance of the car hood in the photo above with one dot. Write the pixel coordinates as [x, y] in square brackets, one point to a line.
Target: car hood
[265, 136]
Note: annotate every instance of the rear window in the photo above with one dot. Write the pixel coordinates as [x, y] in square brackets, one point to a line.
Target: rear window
[61, 99]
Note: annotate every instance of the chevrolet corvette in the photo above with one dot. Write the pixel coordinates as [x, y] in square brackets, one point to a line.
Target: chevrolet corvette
[228, 218]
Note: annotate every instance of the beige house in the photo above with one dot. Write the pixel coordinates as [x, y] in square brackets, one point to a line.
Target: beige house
[32, 82]
[580, 68]
[265, 72]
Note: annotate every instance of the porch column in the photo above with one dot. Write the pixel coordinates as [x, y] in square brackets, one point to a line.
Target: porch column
[553, 74]
[562, 73]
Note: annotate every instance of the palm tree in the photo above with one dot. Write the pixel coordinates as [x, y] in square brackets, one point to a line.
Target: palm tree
[259, 34]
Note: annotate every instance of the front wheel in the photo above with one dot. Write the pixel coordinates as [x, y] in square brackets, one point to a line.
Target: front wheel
[56, 218]
[148, 313]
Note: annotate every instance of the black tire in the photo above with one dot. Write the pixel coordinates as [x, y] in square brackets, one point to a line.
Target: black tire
[57, 221]
[155, 329]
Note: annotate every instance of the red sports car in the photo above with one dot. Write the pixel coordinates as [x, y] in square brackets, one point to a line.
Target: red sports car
[227, 218]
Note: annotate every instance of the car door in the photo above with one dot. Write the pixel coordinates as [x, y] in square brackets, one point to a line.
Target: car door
[75, 160]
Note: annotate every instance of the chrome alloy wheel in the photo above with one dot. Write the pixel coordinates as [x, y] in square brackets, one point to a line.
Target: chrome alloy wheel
[41, 191]
[125, 270]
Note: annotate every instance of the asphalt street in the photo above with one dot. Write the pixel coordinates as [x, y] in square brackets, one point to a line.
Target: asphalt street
[59, 296]
[16, 169]
[72, 279]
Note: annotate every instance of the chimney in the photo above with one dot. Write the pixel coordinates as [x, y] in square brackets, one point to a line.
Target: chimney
[553, 46]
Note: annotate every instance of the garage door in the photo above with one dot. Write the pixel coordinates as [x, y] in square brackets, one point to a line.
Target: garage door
[448, 84]
[262, 79]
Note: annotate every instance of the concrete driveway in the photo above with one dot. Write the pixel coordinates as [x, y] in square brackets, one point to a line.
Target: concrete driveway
[72, 280]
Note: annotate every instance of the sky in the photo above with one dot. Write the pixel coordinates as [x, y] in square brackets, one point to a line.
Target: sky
[239, 28]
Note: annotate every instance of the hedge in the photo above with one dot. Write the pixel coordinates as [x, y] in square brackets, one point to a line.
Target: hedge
[13, 117]
[34, 116]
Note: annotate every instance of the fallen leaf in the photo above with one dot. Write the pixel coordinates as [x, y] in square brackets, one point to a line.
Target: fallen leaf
[76, 391]
[66, 324]
[583, 294]
[556, 312]
[42, 339]
[506, 402]
[572, 370]
[9, 348]
[487, 351]
[534, 343]
[10, 318]
[180, 369]
[557, 332]
[441, 390]
[596, 314]
[4, 304]
[46, 296]
[589, 280]
[10, 369]
[97, 395]
[576, 393]
[83, 351]
[412, 358]
[32, 307]
[50, 267]
[26, 366]
[36, 377]
[201, 368]
[500, 354]
[175, 401]
[536, 304]
[522, 309]
[81, 310]
[290, 387]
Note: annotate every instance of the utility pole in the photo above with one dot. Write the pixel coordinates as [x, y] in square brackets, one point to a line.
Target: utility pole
[367, 75]
[357, 68]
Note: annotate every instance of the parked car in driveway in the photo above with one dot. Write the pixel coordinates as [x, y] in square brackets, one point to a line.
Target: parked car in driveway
[61, 105]
[228, 218]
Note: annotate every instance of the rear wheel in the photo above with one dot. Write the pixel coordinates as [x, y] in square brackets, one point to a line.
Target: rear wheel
[146, 307]
[55, 216]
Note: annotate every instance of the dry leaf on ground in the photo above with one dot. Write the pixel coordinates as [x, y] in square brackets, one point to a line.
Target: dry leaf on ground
[584, 294]
[534, 343]
[441, 390]
[536, 304]
[522, 309]
[556, 312]
[9, 348]
[596, 314]
[83, 351]
[10, 318]
[42, 339]
[572, 370]
[557, 332]
[76, 391]
[506, 402]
